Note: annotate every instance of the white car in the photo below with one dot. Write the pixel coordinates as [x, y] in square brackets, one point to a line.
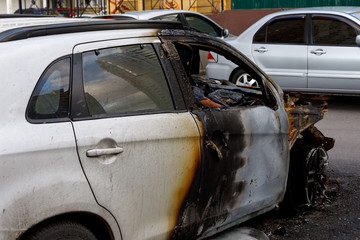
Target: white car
[109, 132]
[188, 18]
[305, 50]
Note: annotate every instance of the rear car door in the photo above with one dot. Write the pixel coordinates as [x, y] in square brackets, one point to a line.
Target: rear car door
[333, 55]
[138, 146]
[279, 48]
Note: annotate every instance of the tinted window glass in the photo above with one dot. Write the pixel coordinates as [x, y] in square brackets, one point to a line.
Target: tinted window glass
[260, 36]
[172, 17]
[290, 30]
[125, 79]
[202, 24]
[51, 96]
[331, 31]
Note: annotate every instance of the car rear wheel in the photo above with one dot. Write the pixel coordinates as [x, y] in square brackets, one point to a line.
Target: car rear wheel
[63, 230]
[240, 77]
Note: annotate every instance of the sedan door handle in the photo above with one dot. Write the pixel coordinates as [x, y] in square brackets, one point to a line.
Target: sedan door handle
[261, 50]
[103, 151]
[318, 52]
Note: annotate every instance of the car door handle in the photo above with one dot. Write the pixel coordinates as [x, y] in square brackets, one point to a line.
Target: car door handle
[103, 151]
[261, 50]
[318, 52]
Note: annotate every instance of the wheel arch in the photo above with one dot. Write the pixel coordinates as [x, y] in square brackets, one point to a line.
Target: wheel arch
[233, 72]
[95, 223]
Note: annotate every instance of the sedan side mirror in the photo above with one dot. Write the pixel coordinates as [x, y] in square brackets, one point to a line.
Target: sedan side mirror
[225, 33]
[357, 40]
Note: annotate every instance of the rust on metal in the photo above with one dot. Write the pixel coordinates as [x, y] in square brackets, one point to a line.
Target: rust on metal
[303, 112]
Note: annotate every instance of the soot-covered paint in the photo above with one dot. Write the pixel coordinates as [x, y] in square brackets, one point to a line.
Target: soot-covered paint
[244, 159]
[209, 201]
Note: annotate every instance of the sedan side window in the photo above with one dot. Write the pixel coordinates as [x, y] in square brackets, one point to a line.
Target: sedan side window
[288, 30]
[327, 31]
[124, 80]
[203, 25]
[50, 99]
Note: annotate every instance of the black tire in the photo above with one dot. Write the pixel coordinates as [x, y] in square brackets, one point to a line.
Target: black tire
[306, 181]
[240, 77]
[63, 230]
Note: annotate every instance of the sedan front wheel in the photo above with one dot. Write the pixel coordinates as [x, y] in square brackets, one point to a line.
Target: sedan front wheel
[241, 77]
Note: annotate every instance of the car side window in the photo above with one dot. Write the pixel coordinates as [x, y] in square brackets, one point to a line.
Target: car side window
[50, 99]
[284, 30]
[171, 17]
[327, 31]
[210, 90]
[202, 24]
[124, 80]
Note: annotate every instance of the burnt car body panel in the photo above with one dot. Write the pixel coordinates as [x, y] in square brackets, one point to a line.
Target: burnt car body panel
[243, 169]
[245, 150]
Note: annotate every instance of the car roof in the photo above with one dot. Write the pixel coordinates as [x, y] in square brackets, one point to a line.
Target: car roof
[12, 29]
[335, 9]
[148, 14]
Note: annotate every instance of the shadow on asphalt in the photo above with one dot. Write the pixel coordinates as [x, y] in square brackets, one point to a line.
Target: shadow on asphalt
[346, 103]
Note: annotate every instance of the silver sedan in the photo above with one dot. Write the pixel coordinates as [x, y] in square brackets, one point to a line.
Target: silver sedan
[314, 50]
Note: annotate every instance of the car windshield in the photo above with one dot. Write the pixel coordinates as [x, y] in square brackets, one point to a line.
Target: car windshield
[356, 14]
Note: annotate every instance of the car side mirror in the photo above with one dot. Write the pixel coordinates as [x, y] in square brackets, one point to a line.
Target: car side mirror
[225, 33]
[357, 40]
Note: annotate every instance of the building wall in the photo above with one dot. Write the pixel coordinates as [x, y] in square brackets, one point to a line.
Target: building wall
[8, 6]
[238, 20]
[202, 6]
[116, 6]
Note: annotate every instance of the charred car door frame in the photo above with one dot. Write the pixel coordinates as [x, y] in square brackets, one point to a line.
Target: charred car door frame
[245, 149]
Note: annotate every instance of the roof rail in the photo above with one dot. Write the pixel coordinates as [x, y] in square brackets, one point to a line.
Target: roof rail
[26, 16]
[76, 27]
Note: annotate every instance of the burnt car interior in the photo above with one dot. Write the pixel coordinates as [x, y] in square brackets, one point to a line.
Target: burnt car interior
[217, 92]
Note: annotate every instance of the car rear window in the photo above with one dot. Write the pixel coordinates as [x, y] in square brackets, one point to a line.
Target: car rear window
[50, 99]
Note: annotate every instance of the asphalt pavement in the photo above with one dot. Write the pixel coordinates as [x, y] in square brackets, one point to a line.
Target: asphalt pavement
[339, 217]
[342, 123]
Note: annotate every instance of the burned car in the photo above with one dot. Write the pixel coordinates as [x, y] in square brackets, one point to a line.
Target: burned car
[116, 133]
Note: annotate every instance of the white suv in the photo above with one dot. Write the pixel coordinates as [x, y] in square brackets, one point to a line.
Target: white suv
[110, 131]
